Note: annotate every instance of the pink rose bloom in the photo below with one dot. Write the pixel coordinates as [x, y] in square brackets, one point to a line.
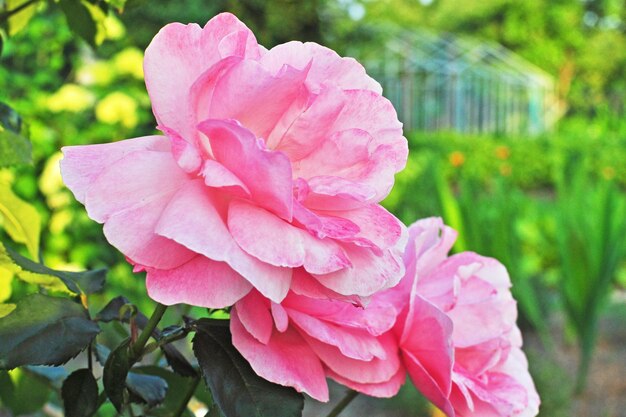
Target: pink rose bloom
[462, 302]
[272, 162]
[303, 340]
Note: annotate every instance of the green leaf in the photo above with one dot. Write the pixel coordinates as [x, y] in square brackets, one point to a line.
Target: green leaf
[148, 389]
[80, 20]
[6, 277]
[236, 388]
[178, 386]
[113, 310]
[21, 220]
[44, 330]
[86, 282]
[6, 309]
[115, 373]
[15, 149]
[22, 393]
[17, 21]
[80, 394]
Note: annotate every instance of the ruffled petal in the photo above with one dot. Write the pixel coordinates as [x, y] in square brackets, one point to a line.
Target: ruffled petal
[254, 314]
[364, 372]
[370, 273]
[272, 240]
[195, 208]
[267, 174]
[353, 343]
[129, 197]
[285, 360]
[386, 389]
[326, 66]
[81, 165]
[427, 339]
[179, 54]
[247, 92]
[200, 282]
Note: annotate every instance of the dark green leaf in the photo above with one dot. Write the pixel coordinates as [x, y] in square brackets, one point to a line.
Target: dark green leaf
[178, 387]
[10, 119]
[80, 20]
[80, 394]
[44, 330]
[115, 372]
[86, 282]
[178, 362]
[22, 393]
[236, 388]
[149, 389]
[112, 311]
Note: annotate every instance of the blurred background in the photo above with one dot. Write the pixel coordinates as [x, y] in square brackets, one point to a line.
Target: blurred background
[515, 116]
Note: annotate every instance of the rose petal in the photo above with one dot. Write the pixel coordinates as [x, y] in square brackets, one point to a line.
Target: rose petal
[285, 360]
[267, 174]
[81, 165]
[187, 51]
[200, 282]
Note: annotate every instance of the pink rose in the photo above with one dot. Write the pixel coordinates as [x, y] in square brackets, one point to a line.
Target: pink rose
[462, 302]
[303, 340]
[273, 162]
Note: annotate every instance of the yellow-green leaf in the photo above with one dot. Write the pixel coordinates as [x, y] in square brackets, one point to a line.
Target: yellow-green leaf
[6, 277]
[19, 20]
[20, 220]
[5, 309]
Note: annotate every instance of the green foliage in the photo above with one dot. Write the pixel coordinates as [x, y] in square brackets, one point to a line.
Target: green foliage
[22, 392]
[591, 240]
[80, 19]
[86, 282]
[146, 389]
[44, 330]
[19, 219]
[116, 370]
[80, 394]
[15, 149]
[236, 388]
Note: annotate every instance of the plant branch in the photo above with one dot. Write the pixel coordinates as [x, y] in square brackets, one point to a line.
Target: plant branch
[4, 16]
[351, 395]
[136, 348]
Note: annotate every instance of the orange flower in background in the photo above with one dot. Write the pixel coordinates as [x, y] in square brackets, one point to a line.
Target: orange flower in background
[503, 152]
[457, 158]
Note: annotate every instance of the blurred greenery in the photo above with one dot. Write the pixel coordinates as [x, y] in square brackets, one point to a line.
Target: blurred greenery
[508, 196]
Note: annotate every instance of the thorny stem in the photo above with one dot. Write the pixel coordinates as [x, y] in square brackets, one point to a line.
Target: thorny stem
[136, 349]
[351, 395]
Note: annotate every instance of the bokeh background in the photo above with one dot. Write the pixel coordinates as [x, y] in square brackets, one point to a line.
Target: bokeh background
[515, 116]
